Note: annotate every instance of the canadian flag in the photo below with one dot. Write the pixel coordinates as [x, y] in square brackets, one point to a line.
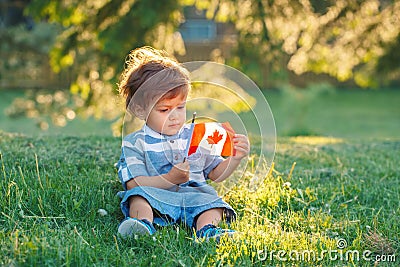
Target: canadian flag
[213, 137]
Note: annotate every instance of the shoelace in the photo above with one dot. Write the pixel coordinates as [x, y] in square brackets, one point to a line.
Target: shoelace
[149, 226]
[211, 232]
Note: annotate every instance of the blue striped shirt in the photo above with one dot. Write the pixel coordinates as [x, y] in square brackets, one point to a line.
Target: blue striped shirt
[149, 153]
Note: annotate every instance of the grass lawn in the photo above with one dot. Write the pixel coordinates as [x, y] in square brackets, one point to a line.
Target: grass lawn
[329, 201]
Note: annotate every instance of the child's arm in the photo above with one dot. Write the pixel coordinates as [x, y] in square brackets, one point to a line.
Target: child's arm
[177, 175]
[242, 147]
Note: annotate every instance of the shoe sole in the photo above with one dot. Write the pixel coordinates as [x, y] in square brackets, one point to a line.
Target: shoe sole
[130, 227]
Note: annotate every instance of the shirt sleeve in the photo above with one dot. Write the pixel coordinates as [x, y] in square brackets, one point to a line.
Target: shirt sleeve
[132, 161]
[212, 161]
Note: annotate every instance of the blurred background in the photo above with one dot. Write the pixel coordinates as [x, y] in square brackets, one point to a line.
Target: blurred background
[326, 68]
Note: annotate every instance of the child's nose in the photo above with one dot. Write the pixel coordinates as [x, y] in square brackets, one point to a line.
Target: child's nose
[173, 114]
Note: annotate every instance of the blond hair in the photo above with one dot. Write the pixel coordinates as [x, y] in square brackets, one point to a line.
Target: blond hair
[151, 75]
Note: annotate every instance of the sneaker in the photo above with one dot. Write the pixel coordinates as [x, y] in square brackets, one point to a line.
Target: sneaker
[211, 231]
[131, 226]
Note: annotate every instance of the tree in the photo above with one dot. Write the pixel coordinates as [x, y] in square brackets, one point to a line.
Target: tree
[349, 40]
[98, 35]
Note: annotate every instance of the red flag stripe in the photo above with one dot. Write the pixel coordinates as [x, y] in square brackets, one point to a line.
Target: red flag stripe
[198, 133]
[227, 149]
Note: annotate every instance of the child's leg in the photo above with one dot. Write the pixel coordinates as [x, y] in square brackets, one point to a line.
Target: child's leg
[140, 209]
[211, 216]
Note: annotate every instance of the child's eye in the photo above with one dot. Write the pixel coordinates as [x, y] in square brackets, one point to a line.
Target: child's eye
[162, 110]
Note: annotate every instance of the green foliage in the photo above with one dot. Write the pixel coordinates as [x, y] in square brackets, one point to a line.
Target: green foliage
[388, 64]
[349, 40]
[57, 105]
[24, 53]
[97, 36]
[345, 39]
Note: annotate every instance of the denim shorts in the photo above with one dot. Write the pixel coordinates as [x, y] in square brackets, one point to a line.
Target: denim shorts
[180, 204]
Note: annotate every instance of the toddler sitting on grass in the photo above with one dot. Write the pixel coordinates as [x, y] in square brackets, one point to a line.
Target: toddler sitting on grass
[162, 184]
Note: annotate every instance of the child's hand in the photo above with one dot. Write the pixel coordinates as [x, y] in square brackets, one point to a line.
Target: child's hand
[179, 173]
[241, 145]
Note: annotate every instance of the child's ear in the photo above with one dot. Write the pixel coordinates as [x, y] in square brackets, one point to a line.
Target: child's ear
[139, 111]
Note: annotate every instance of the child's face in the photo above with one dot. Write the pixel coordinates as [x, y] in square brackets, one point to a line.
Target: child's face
[168, 115]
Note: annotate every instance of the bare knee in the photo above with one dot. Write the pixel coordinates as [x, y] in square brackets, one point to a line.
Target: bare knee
[211, 216]
[140, 208]
[138, 201]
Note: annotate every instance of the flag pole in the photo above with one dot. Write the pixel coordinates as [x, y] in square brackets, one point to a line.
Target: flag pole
[191, 135]
[194, 116]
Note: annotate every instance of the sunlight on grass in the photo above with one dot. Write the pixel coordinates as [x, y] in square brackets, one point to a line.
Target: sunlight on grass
[271, 219]
[315, 140]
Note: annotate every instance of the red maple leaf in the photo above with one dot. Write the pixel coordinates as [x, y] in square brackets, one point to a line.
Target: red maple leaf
[214, 138]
